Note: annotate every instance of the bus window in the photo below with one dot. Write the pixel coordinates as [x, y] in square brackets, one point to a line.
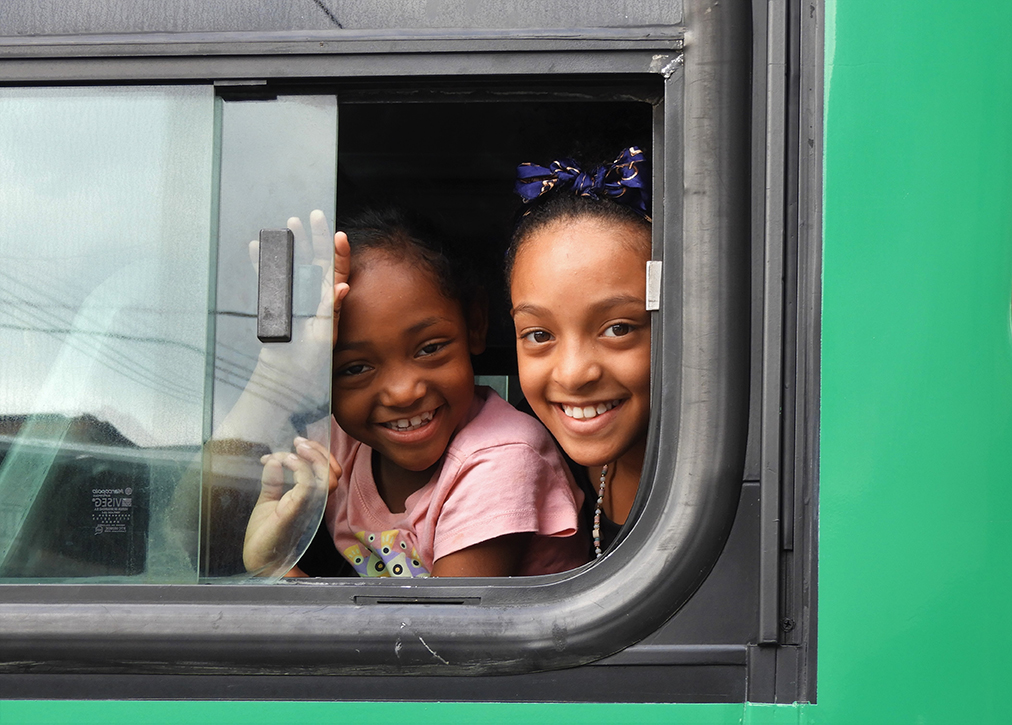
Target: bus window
[128, 300]
[438, 120]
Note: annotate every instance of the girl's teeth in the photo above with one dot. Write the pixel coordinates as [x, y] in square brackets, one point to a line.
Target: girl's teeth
[590, 411]
[411, 423]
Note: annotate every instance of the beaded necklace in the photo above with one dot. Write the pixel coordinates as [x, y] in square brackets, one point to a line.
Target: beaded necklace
[597, 512]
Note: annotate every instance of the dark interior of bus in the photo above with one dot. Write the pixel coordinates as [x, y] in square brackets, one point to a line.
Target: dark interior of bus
[452, 157]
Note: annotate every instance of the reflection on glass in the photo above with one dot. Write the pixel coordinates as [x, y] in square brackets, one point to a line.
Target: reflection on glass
[278, 160]
[127, 327]
[105, 222]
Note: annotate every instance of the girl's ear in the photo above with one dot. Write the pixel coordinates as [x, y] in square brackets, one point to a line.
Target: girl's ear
[477, 325]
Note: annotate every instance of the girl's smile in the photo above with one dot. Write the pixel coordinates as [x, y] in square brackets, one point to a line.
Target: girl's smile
[594, 424]
[409, 424]
[586, 412]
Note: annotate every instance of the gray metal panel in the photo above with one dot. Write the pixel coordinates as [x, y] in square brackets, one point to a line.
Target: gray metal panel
[67, 17]
[330, 42]
[185, 67]
[625, 683]
[809, 342]
[788, 667]
[762, 673]
[759, 22]
[724, 608]
[789, 452]
[773, 314]
[74, 17]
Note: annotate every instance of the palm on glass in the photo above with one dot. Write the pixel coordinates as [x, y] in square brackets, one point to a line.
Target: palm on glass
[305, 360]
[287, 512]
[294, 377]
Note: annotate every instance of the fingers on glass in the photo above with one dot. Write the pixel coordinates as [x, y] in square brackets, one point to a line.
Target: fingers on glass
[321, 234]
[254, 254]
[303, 247]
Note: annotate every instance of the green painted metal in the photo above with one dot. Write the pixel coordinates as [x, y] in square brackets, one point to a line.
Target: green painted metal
[916, 423]
[916, 441]
[274, 713]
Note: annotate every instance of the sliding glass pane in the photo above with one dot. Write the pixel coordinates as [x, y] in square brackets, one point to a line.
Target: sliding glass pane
[278, 165]
[133, 413]
[105, 242]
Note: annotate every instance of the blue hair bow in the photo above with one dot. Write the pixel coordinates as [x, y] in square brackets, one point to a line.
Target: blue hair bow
[623, 181]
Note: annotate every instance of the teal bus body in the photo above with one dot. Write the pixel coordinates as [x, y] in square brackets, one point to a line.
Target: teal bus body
[916, 421]
[915, 461]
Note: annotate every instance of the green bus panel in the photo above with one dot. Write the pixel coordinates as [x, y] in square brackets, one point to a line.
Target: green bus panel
[440, 713]
[916, 459]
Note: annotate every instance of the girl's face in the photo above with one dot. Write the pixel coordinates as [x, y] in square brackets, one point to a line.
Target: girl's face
[583, 335]
[402, 372]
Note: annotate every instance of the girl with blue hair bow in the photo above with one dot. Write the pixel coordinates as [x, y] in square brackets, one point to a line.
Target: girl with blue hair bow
[576, 271]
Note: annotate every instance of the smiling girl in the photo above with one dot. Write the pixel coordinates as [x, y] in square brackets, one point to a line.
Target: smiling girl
[434, 476]
[577, 276]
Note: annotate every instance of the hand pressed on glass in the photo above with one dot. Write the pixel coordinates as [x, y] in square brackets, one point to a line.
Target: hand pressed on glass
[286, 391]
[312, 249]
[285, 512]
[292, 379]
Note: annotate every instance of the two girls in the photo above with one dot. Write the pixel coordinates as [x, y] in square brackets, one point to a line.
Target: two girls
[438, 479]
[428, 475]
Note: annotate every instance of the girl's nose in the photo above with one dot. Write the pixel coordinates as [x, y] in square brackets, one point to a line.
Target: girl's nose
[401, 389]
[576, 367]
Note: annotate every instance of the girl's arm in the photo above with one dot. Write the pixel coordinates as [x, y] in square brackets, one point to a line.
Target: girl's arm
[500, 556]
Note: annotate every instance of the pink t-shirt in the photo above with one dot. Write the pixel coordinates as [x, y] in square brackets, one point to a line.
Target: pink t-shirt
[501, 474]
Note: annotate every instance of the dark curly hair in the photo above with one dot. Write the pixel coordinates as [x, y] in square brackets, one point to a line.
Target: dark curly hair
[414, 238]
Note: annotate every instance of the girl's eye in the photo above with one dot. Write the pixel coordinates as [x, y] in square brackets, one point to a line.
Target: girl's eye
[539, 337]
[618, 330]
[357, 369]
[431, 349]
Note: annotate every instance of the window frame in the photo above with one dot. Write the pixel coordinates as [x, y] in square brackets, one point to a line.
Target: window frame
[700, 361]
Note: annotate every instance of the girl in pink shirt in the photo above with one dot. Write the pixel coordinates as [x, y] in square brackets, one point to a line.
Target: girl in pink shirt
[429, 475]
